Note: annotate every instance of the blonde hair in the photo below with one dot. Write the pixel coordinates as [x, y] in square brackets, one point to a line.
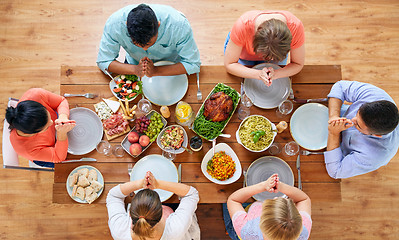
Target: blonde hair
[146, 212]
[273, 40]
[280, 219]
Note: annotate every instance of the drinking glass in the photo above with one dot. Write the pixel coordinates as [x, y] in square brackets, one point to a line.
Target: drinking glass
[275, 149]
[243, 112]
[284, 108]
[169, 154]
[244, 109]
[291, 148]
[144, 106]
[118, 151]
[104, 147]
[184, 114]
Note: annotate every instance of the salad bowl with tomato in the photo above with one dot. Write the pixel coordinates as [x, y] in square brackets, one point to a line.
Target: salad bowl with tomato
[126, 87]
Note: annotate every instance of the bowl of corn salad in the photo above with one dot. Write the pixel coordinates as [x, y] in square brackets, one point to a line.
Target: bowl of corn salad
[222, 168]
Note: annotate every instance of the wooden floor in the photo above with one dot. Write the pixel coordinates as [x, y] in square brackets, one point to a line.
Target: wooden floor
[36, 37]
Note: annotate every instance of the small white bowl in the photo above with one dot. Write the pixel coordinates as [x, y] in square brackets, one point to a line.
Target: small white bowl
[184, 144]
[229, 151]
[273, 128]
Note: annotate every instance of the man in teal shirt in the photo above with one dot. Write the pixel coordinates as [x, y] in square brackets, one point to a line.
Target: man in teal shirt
[148, 33]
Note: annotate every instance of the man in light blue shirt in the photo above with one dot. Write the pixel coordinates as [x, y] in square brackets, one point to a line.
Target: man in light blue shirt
[148, 33]
[367, 136]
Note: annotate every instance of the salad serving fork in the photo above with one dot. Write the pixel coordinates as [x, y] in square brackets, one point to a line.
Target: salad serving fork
[306, 152]
[86, 95]
[199, 94]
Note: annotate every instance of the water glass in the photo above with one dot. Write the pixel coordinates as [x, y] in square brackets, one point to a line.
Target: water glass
[118, 151]
[291, 148]
[144, 106]
[284, 108]
[169, 154]
[275, 149]
[243, 112]
[104, 147]
[245, 100]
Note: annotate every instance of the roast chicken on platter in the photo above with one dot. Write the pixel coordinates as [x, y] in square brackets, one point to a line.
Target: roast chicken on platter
[218, 107]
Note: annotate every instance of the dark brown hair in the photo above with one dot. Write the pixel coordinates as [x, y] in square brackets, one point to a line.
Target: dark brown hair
[146, 212]
[273, 40]
[280, 219]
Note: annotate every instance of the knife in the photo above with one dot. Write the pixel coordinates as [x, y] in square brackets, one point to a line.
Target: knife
[80, 160]
[179, 176]
[297, 100]
[298, 166]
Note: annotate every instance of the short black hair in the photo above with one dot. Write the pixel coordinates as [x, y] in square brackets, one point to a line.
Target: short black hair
[29, 117]
[381, 117]
[142, 24]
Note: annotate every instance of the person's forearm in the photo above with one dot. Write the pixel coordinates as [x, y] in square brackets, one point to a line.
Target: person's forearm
[287, 71]
[128, 187]
[333, 141]
[179, 189]
[170, 70]
[334, 107]
[242, 71]
[243, 194]
[293, 193]
[122, 68]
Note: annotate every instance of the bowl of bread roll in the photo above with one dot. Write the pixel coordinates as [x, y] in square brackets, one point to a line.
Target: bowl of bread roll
[85, 184]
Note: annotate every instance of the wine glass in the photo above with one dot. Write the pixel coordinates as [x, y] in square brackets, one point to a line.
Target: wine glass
[244, 110]
[144, 106]
[169, 154]
[291, 148]
[118, 151]
[284, 108]
[104, 147]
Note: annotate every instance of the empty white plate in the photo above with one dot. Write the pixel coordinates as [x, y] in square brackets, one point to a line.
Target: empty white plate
[165, 90]
[309, 126]
[161, 168]
[87, 133]
[267, 97]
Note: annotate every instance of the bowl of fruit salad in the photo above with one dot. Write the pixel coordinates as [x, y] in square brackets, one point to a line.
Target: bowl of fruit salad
[126, 87]
[172, 138]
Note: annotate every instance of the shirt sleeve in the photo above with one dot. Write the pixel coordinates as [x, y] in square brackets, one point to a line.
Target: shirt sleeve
[352, 91]
[306, 225]
[187, 49]
[179, 222]
[351, 165]
[118, 217]
[240, 218]
[109, 46]
[298, 35]
[238, 34]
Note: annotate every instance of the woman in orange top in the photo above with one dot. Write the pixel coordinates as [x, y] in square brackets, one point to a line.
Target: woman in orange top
[265, 36]
[39, 125]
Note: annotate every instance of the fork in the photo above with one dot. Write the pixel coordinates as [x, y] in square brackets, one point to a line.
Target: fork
[306, 152]
[86, 95]
[199, 94]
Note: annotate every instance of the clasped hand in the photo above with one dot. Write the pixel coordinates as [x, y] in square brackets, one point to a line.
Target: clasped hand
[64, 125]
[267, 75]
[150, 181]
[337, 125]
[146, 67]
[272, 183]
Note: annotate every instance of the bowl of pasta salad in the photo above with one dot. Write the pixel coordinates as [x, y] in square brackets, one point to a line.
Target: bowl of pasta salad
[256, 133]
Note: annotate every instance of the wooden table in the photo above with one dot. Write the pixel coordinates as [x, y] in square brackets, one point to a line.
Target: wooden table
[314, 81]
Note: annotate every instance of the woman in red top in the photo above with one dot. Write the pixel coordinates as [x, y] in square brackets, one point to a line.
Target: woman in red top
[265, 36]
[39, 125]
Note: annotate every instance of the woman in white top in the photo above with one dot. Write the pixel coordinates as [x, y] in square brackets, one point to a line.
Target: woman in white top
[147, 218]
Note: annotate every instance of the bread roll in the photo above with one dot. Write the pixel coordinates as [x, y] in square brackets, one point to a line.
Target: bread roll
[73, 179]
[75, 187]
[96, 186]
[92, 175]
[80, 193]
[83, 172]
[91, 198]
[83, 182]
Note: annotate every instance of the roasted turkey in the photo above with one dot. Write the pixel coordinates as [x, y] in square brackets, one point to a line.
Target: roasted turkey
[218, 107]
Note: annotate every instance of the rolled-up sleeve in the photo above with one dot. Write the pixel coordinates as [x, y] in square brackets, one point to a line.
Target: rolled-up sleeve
[187, 49]
[352, 91]
[109, 47]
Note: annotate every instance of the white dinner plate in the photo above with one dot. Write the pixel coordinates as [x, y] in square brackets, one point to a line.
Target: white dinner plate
[100, 179]
[229, 151]
[87, 133]
[161, 168]
[309, 126]
[184, 144]
[165, 90]
[262, 168]
[267, 97]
